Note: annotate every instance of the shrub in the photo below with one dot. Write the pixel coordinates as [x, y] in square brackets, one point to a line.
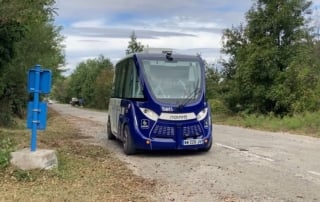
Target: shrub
[218, 107]
[6, 147]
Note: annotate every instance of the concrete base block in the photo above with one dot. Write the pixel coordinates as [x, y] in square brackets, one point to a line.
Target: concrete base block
[39, 159]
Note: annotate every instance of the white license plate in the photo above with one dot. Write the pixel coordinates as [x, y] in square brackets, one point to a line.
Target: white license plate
[192, 141]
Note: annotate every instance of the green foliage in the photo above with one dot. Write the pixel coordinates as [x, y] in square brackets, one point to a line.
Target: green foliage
[92, 80]
[28, 37]
[134, 45]
[5, 115]
[218, 107]
[271, 67]
[212, 82]
[23, 175]
[60, 90]
[307, 123]
[103, 89]
[6, 147]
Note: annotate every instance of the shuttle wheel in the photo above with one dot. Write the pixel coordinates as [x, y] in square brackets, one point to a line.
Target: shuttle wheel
[109, 132]
[128, 144]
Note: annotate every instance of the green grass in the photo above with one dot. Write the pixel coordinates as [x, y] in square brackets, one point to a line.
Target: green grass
[306, 123]
[6, 146]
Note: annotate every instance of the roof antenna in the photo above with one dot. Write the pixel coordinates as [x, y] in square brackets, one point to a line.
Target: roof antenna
[169, 55]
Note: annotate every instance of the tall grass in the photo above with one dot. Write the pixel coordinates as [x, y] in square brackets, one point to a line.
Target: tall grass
[307, 123]
[6, 146]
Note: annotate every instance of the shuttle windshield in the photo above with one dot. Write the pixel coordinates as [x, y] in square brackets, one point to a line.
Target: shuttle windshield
[173, 82]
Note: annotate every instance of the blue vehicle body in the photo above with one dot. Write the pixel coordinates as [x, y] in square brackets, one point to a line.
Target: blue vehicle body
[161, 123]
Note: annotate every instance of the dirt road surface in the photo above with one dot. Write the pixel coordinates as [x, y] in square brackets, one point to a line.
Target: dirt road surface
[243, 165]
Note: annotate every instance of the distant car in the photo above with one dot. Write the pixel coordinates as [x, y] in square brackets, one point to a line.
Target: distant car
[47, 100]
[75, 101]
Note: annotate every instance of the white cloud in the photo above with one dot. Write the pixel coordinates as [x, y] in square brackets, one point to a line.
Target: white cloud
[202, 40]
[79, 49]
[94, 37]
[97, 23]
[89, 44]
[104, 26]
[316, 3]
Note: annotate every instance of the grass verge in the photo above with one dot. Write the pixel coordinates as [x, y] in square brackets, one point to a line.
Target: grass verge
[85, 172]
[305, 124]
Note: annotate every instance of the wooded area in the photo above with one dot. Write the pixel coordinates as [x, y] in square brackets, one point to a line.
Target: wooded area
[28, 37]
[92, 80]
[272, 64]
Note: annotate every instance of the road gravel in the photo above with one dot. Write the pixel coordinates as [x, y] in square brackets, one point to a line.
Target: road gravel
[243, 165]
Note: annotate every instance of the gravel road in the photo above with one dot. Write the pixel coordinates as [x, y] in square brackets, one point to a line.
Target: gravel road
[243, 165]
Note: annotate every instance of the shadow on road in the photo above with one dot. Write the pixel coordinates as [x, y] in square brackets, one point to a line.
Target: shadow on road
[162, 153]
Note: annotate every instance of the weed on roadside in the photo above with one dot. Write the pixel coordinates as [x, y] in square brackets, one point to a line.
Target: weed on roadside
[6, 147]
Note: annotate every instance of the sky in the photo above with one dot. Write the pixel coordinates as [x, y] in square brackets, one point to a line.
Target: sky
[103, 27]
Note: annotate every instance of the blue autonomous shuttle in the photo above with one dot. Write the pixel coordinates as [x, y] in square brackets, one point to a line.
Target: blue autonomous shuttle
[158, 102]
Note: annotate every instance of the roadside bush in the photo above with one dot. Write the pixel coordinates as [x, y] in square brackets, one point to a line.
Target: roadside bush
[6, 147]
[5, 115]
[218, 107]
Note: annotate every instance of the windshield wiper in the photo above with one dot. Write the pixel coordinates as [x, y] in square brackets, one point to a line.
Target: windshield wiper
[190, 97]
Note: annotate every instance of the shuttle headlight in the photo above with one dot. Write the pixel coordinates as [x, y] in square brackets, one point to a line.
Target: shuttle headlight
[149, 114]
[202, 114]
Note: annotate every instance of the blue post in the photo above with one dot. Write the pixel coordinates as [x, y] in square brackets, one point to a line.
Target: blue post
[35, 110]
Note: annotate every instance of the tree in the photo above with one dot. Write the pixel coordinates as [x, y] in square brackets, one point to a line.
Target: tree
[134, 45]
[212, 81]
[60, 90]
[103, 88]
[28, 37]
[92, 81]
[261, 55]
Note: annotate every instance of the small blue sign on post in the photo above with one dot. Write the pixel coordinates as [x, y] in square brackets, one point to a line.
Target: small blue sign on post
[39, 81]
[45, 81]
[42, 117]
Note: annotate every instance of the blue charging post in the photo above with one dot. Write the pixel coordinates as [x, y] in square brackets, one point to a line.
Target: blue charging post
[36, 110]
[39, 82]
